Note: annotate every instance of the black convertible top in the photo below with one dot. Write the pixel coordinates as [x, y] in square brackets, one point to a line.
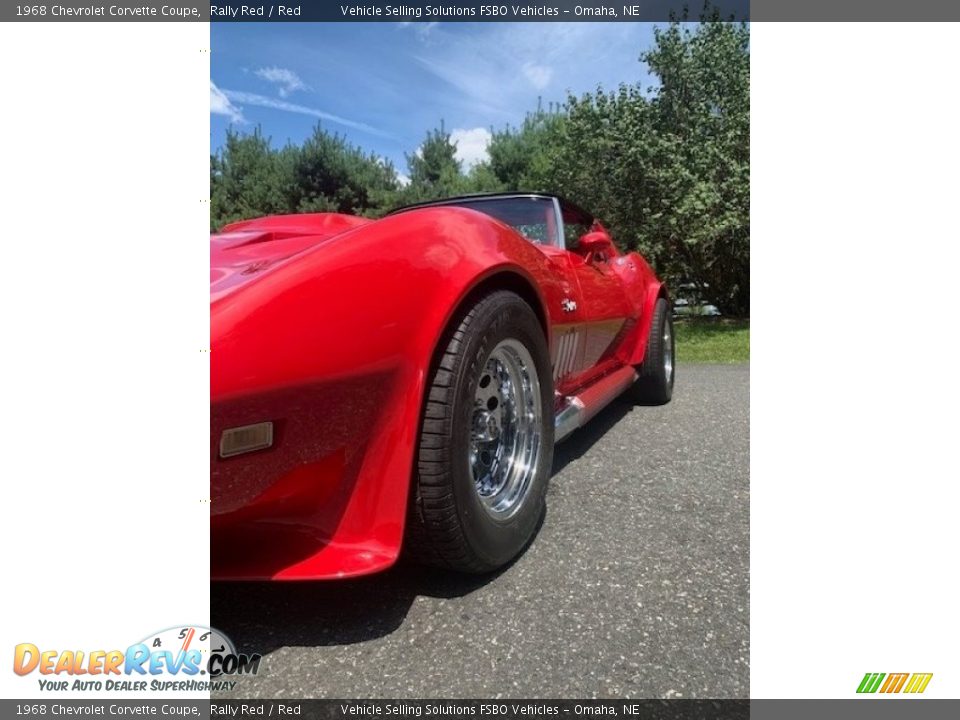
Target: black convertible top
[457, 199]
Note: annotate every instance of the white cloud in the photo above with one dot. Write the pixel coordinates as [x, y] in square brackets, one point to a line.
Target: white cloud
[495, 73]
[220, 105]
[538, 75]
[245, 98]
[287, 81]
[472, 145]
[404, 180]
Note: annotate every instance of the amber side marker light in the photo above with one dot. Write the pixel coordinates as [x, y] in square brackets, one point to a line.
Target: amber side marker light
[239, 440]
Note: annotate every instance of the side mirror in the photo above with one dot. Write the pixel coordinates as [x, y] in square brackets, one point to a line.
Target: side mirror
[595, 242]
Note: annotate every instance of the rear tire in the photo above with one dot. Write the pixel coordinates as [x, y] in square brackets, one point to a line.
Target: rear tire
[654, 386]
[486, 441]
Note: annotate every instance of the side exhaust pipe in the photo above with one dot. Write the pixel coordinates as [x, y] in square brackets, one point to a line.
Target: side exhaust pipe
[578, 409]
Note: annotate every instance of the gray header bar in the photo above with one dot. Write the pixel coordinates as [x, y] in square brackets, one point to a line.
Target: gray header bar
[114, 10]
[471, 10]
[873, 708]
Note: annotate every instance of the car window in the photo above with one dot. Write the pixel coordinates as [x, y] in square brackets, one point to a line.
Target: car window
[536, 232]
[532, 217]
[576, 223]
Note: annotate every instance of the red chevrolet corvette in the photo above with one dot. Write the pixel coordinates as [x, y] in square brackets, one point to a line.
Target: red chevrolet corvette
[379, 385]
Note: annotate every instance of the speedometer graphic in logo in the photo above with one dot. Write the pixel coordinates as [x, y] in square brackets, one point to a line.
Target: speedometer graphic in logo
[198, 649]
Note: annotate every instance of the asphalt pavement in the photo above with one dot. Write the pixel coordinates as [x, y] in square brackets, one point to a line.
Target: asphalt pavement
[637, 584]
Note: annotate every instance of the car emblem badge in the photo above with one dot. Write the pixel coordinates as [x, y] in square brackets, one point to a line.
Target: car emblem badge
[568, 305]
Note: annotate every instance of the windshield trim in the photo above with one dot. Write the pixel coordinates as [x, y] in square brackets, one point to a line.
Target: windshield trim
[558, 213]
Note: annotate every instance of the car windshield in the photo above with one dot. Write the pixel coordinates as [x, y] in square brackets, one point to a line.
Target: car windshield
[533, 217]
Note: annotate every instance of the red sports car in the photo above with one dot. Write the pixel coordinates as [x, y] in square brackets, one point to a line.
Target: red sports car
[399, 384]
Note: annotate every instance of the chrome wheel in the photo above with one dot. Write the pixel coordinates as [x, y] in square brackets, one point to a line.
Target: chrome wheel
[506, 427]
[668, 350]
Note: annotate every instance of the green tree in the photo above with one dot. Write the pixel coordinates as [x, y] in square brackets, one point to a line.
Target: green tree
[245, 179]
[482, 178]
[434, 169]
[667, 168]
[330, 175]
[250, 178]
[701, 115]
[522, 158]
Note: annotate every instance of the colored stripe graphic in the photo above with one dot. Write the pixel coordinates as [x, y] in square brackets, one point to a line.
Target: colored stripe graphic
[870, 682]
[894, 682]
[918, 682]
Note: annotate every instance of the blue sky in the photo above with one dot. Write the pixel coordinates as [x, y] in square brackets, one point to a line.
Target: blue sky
[383, 85]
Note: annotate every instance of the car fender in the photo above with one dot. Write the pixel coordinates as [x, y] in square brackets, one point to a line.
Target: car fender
[643, 289]
[354, 323]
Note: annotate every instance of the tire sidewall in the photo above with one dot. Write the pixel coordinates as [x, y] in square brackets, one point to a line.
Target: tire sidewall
[667, 316]
[495, 541]
[663, 385]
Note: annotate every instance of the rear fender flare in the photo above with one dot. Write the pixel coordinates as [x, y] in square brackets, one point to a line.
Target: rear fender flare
[654, 292]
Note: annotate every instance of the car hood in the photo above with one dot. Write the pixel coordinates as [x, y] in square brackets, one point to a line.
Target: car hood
[244, 251]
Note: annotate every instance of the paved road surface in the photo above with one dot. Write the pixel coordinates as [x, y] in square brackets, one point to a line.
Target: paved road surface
[636, 585]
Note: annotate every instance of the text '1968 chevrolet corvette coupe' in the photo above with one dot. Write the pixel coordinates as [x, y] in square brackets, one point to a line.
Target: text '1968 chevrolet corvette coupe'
[399, 384]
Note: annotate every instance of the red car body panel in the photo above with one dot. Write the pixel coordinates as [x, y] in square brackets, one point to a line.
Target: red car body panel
[326, 325]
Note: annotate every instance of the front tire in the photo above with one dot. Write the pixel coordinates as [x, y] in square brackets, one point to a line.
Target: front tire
[654, 386]
[486, 441]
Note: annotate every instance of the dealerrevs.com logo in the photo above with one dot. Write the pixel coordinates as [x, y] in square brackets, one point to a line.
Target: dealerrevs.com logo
[911, 683]
[182, 659]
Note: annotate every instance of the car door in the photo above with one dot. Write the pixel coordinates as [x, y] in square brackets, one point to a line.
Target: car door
[606, 308]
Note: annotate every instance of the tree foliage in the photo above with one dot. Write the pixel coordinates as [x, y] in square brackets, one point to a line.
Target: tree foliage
[522, 158]
[701, 117]
[666, 168]
[435, 172]
[249, 177]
